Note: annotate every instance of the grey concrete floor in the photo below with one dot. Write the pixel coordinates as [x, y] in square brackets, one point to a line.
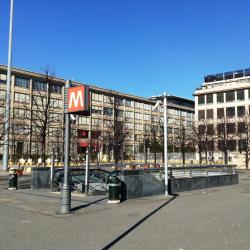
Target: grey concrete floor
[215, 218]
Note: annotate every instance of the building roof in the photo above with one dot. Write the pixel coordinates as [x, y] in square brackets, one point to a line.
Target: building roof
[175, 101]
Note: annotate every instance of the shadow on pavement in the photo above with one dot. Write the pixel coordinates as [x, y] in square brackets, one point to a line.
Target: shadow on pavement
[112, 243]
[88, 204]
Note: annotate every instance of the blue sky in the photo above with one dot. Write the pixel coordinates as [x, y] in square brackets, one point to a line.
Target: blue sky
[143, 47]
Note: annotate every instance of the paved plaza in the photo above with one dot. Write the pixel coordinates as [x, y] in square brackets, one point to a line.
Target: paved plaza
[215, 218]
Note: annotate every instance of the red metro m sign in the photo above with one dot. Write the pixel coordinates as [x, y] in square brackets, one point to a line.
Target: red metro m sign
[78, 100]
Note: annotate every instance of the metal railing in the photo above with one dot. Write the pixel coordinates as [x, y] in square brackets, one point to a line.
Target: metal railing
[199, 171]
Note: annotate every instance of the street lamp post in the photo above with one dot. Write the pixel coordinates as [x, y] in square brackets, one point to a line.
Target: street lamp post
[7, 110]
[159, 98]
[165, 143]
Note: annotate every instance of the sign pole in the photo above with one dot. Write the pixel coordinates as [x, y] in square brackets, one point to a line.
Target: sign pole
[65, 191]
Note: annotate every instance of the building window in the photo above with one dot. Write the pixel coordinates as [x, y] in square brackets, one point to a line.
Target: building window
[242, 143]
[231, 145]
[2, 94]
[3, 78]
[230, 111]
[183, 113]
[220, 113]
[147, 117]
[56, 103]
[107, 99]
[21, 113]
[147, 107]
[220, 97]
[129, 114]
[189, 123]
[96, 110]
[138, 116]
[107, 111]
[240, 95]
[129, 125]
[210, 114]
[22, 82]
[201, 114]
[201, 99]
[129, 104]
[209, 98]
[221, 128]
[138, 126]
[21, 129]
[138, 105]
[19, 97]
[138, 138]
[241, 127]
[120, 113]
[56, 89]
[210, 129]
[95, 122]
[83, 120]
[147, 128]
[230, 97]
[240, 111]
[38, 85]
[231, 129]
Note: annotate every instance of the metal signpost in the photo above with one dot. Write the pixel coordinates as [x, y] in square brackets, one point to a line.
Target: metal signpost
[76, 101]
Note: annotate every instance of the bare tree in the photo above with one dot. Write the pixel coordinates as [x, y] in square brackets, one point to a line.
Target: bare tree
[244, 138]
[226, 132]
[116, 130]
[183, 139]
[96, 141]
[202, 136]
[43, 115]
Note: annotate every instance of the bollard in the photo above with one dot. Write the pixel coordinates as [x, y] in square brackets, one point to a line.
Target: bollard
[114, 189]
[12, 179]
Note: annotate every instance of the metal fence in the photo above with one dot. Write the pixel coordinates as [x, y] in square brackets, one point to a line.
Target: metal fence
[199, 171]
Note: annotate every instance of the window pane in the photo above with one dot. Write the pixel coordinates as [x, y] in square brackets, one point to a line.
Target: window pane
[210, 114]
[37, 85]
[210, 98]
[22, 82]
[201, 99]
[240, 95]
[231, 129]
[201, 114]
[220, 97]
[241, 111]
[220, 113]
[241, 127]
[230, 97]
[230, 111]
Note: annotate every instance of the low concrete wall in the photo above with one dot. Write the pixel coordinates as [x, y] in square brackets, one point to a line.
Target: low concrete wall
[187, 184]
[138, 183]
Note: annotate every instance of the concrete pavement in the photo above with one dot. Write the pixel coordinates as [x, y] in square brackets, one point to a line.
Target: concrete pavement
[215, 218]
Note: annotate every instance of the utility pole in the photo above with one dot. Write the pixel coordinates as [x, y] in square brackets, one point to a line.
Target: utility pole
[7, 110]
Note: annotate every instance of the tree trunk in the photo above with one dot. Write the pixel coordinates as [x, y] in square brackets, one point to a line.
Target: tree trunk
[247, 160]
[200, 156]
[225, 157]
[183, 155]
